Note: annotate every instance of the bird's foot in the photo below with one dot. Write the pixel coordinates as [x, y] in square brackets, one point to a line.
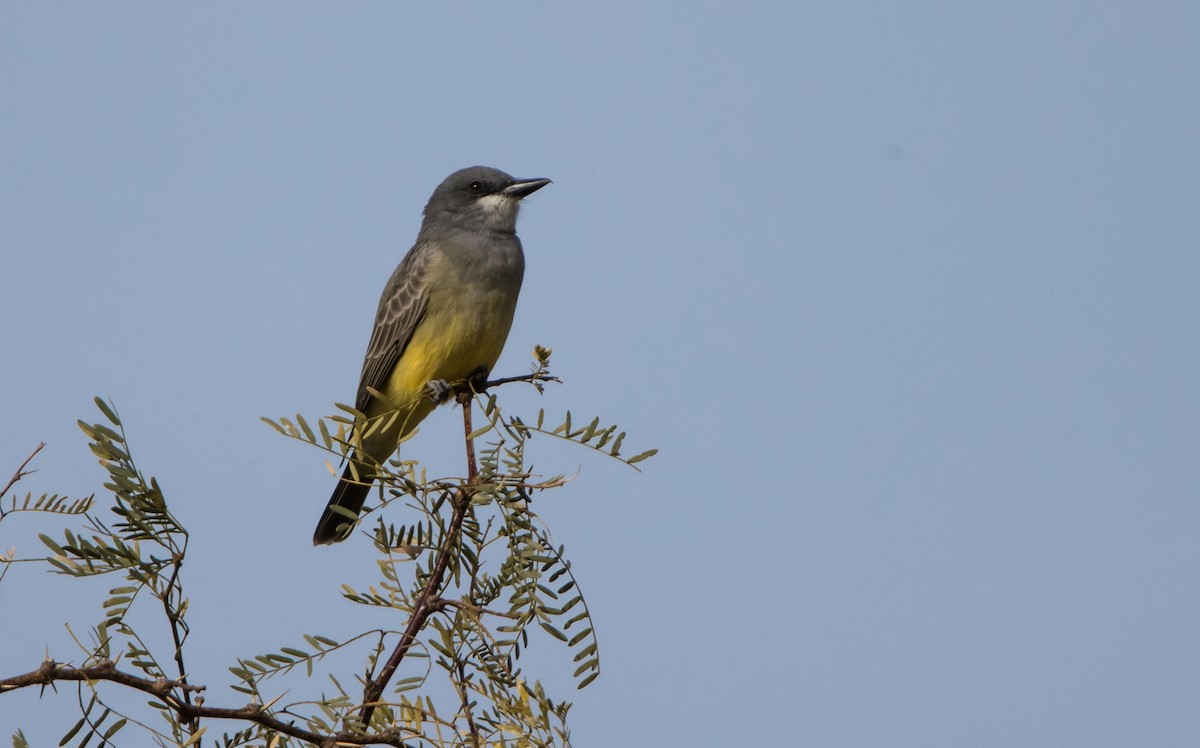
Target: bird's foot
[475, 383]
[478, 379]
[439, 390]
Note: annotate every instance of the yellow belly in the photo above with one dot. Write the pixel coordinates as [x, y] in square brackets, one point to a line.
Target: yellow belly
[451, 343]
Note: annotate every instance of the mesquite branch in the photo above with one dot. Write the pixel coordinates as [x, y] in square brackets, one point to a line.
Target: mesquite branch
[429, 600]
[172, 693]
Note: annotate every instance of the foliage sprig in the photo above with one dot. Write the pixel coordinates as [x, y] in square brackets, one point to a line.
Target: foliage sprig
[471, 572]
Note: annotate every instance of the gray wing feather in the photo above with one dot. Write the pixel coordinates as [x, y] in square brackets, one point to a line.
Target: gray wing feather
[400, 311]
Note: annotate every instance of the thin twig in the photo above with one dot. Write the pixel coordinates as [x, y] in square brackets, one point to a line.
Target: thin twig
[173, 618]
[461, 686]
[533, 378]
[21, 471]
[476, 611]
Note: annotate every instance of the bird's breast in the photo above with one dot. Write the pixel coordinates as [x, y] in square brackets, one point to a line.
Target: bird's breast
[472, 297]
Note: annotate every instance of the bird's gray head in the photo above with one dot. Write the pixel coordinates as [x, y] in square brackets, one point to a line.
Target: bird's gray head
[479, 198]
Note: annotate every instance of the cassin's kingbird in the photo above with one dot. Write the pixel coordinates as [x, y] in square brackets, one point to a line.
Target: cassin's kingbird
[443, 317]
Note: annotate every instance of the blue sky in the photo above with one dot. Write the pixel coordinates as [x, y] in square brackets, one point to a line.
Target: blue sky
[906, 295]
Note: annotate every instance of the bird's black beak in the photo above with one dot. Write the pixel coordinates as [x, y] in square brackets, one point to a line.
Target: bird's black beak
[524, 187]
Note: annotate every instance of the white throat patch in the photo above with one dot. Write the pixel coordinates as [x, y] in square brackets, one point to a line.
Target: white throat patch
[499, 209]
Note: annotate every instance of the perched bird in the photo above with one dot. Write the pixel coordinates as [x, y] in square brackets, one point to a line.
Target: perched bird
[443, 317]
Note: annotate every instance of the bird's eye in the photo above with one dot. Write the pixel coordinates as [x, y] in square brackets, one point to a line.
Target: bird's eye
[475, 187]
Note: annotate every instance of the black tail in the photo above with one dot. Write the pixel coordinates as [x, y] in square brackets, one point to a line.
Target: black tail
[350, 495]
